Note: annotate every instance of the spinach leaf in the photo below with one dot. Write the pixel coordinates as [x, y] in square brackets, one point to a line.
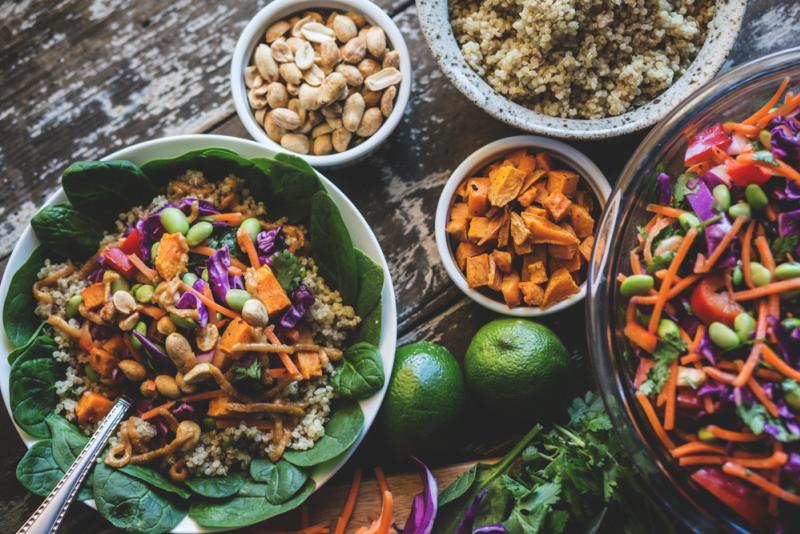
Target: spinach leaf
[370, 328]
[132, 505]
[361, 373]
[215, 163]
[217, 487]
[244, 509]
[154, 478]
[65, 231]
[36, 347]
[19, 320]
[341, 432]
[332, 247]
[67, 441]
[289, 187]
[39, 472]
[283, 479]
[104, 189]
[287, 269]
[370, 284]
[32, 393]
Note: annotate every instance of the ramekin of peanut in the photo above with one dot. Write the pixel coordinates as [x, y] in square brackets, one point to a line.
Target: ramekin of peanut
[326, 79]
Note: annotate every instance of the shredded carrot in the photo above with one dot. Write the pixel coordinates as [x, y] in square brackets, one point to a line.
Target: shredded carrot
[699, 168]
[691, 358]
[204, 395]
[748, 130]
[285, 358]
[774, 301]
[349, 504]
[739, 471]
[770, 462]
[381, 478]
[781, 366]
[153, 311]
[696, 447]
[719, 376]
[779, 168]
[640, 337]
[149, 414]
[243, 238]
[148, 273]
[235, 271]
[755, 351]
[746, 242]
[210, 303]
[789, 103]
[208, 251]
[723, 244]
[774, 288]
[385, 519]
[674, 265]
[762, 397]
[768, 374]
[234, 218]
[772, 505]
[654, 422]
[763, 110]
[672, 386]
[666, 211]
[701, 460]
[730, 435]
[636, 266]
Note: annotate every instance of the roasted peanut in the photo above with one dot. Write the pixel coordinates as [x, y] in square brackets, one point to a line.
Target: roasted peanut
[167, 387]
[376, 41]
[340, 138]
[331, 88]
[370, 122]
[133, 370]
[391, 59]
[308, 96]
[351, 74]
[353, 111]
[367, 67]
[274, 131]
[277, 30]
[354, 50]
[329, 54]
[286, 118]
[322, 145]
[265, 64]
[296, 143]
[281, 51]
[344, 28]
[277, 96]
[304, 57]
[387, 101]
[291, 73]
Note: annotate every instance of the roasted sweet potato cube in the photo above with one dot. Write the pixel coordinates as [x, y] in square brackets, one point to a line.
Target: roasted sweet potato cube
[538, 254]
[534, 210]
[460, 210]
[173, 256]
[563, 252]
[531, 178]
[544, 231]
[560, 287]
[102, 362]
[532, 294]
[495, 275]
[502, 259]
[537, 273]
[585, 248]
[236, 332]
[582, 221]
[461, 190]
[478, 271]
[505, 183]
[262, 284]
[522, 160]
[585, 199]
[94, 295]
[309, 364]
[527, 197]
[504, 234]
[557, 205]
[92, 408]
[478, 196]
[218, 407]
[495, 224]
[457, 228]
[572, 264]
[564, 182]
[464, 250]
[519, 230]
[478, 228]
[510, 290]
[543, 161]
[541, 195]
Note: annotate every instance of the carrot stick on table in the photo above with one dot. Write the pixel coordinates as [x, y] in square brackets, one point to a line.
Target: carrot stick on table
[349, 504]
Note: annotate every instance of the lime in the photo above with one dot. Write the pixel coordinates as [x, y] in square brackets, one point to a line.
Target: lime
[514, 360]
[424, 401]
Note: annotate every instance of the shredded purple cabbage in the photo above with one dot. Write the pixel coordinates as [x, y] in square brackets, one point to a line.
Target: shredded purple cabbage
[154, 351]
[784, 141]
[269, 242]
[204, 207]
[162, 430]
[183, 411]
[150, 230]
[218, 264]
[789, 223]
[792, 467]
[424, 506]
[702, 202]
[465, 527]
[716, 176]
[302, 299]
[664, 187]
[189, 301]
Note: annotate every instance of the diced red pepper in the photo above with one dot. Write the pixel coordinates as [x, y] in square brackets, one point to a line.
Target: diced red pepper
[745, 173]
[736, 494]
[701, 146]
[119, 261]
[710, 304]
[131, 243]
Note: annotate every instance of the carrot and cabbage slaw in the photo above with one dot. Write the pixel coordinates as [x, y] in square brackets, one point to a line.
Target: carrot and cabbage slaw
[713, 311]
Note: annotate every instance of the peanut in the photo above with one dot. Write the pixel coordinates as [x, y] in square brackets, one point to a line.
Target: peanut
[323, 145]
[296, 143]
[353, 111]
[340, 138]
[370, 122]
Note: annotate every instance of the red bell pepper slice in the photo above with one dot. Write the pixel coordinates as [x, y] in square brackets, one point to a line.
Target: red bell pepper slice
[711, 305]
[734, 493]
[701, 146]
[119, 261]
[744, 173]
[131, 243]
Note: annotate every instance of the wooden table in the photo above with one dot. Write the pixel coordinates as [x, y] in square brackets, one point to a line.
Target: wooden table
[82, 78]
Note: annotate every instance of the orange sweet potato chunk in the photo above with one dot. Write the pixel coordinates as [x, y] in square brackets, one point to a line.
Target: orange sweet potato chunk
[572, 264]
[458, 228]
[532, 294]
[519, 230]
[504, 185]
[309, 364]
[557, 205]
[563, 252]
[537, 272]
[509, 287]
[173, 256]
[92, 407]
[262, 284]
[544, 231]
[478, 196]
[478, 271]
[564, 182]
[503, 260]
[560, 287]
[237, 332]
[585, 199]
[467, 249]
[460, 210]
[94, 295]
[585, 247]
[543, 161]
[526, 198]
[522, 160]
[218, 407]
[582, 221]
[495, 275]
[102, 362]
[478, 228]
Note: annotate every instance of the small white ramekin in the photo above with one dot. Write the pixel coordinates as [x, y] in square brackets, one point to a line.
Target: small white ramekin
[571, 157]
[278, 9]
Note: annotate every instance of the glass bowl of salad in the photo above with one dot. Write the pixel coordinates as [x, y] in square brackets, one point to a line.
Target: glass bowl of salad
[694, 288]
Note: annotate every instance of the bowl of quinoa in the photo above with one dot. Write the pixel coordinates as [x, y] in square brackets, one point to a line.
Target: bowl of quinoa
[579, 70]
[220, 302]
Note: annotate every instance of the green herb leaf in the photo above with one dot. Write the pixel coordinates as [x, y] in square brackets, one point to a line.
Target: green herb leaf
[682, 188]
[19, 321]
[766, 156]
[361, 373]
[667, 351]
[287, 269]
[660, 262]
[252, 372]
[756, 417]
[459, 487]
[225, 237]
[782, 247]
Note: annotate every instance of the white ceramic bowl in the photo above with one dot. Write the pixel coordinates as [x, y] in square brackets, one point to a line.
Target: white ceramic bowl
[476, 161]
[254, 33]
[722, 32]
[362, 236]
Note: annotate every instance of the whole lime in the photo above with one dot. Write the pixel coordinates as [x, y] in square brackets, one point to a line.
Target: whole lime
[514, 360]
[424, 400]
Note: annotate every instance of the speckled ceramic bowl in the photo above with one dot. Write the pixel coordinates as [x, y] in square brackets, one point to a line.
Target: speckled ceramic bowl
[722, 32]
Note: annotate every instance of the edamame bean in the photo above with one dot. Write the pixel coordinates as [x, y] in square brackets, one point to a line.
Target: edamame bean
[765, 138]
[209, 423]
[760, 274]
[71, 309]
[667, 329]
[744, 324]
[174, 221]
[90, 373]
[184, 323]
[144, 293]
[792, 398]
[787, 270]
[722, 197]
[198, 233]
[637, 284]
[740, 209]
[236, 298]
[689, 220]
[705, 435]
[120, 284]
[204, 274]
[722, 336]
[737, 276]
[189, 278]
[791, 323]
[154, 250]
[756, 197]
[252, 227]
[140, 327]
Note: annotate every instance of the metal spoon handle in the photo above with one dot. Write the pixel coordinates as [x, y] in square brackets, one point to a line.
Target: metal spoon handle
[47, 518]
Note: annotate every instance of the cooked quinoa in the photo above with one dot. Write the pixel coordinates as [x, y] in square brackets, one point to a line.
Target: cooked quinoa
[580, 58]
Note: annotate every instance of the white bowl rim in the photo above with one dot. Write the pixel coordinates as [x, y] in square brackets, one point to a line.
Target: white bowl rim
[179, 144]
[250, 36]
[578, 161]
[726, 24]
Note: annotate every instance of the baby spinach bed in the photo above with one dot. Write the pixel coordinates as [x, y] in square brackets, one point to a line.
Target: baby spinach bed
[138, 498]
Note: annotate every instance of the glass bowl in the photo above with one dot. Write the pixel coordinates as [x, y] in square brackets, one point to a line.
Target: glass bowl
[730, 97]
